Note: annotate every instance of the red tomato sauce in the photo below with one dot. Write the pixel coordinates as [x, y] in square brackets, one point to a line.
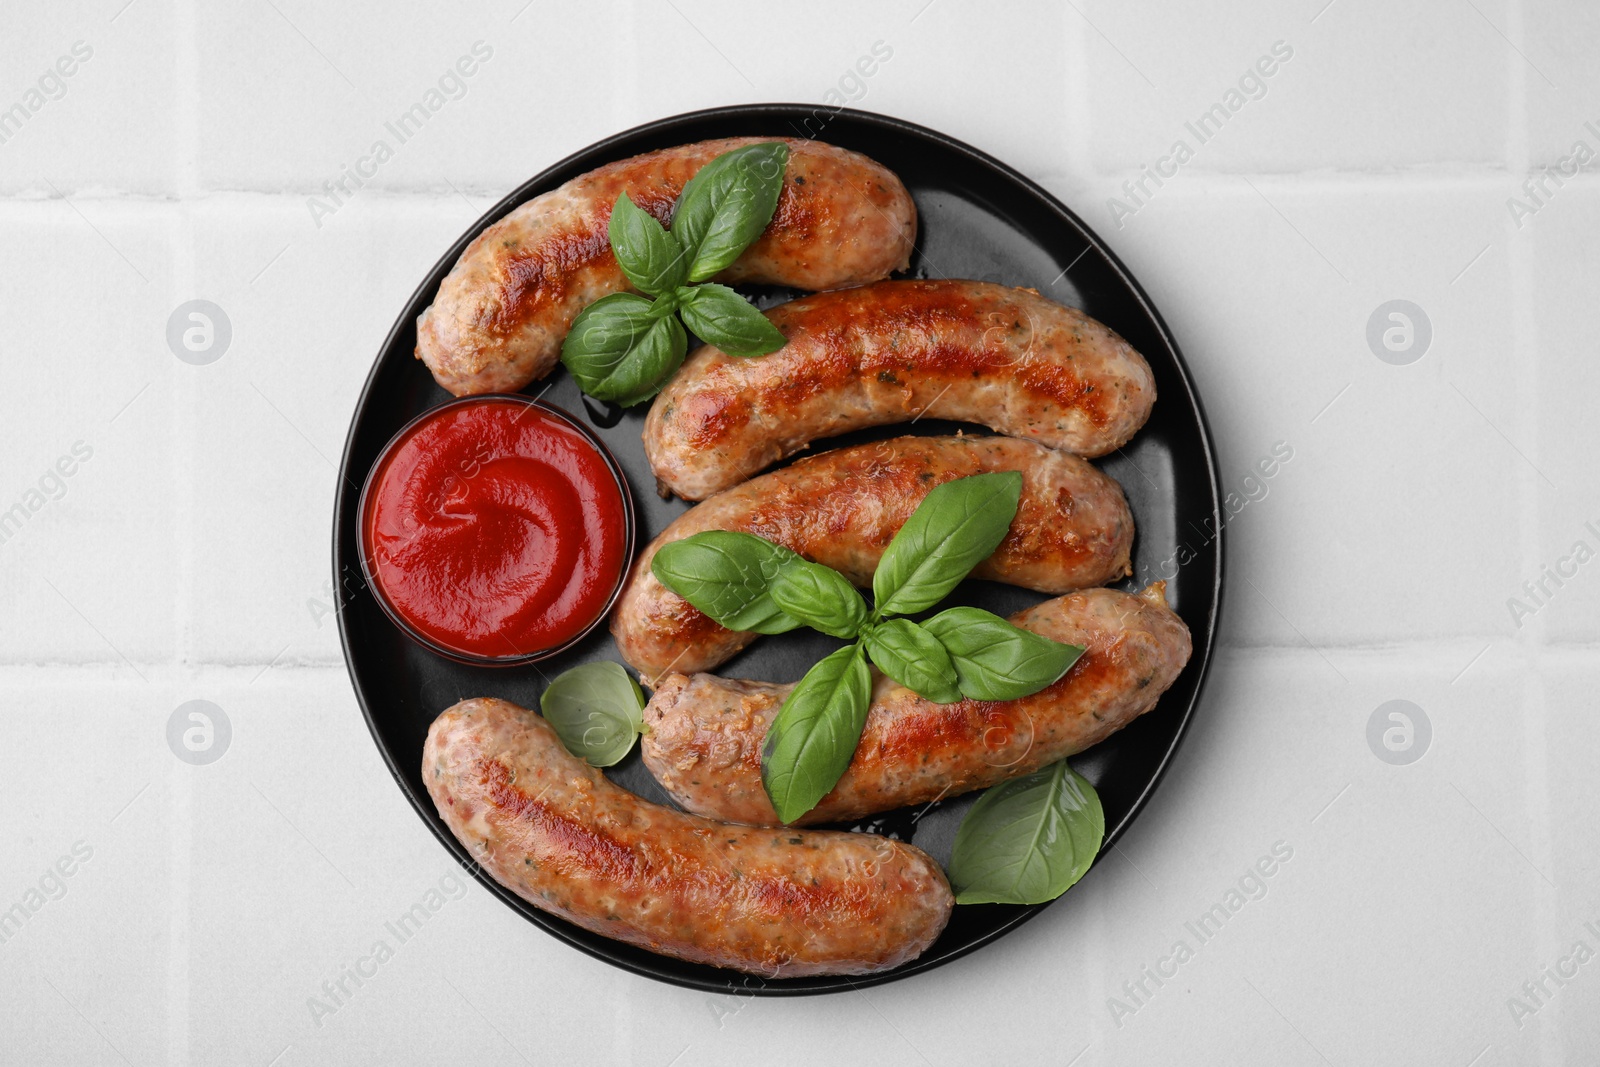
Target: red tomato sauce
[495, 529]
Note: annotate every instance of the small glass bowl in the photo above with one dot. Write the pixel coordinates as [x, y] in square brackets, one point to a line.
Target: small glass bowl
[516, 659]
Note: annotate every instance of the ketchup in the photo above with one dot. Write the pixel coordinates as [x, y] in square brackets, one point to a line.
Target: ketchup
[496, 528]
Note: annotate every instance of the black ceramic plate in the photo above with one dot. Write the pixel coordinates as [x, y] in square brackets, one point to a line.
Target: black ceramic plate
[979, 219]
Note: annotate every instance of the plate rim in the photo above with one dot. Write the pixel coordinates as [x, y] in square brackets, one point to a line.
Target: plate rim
[736, 982]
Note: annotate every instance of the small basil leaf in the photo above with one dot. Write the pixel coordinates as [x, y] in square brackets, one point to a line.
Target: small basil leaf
[596, 710]
[719, 316]
[995, 660]
[820, 597]
[727, 204]
[649, 255]
[1028, 840]
[647, 368]
[914, 658]
[810, 743]
[601, 338]
[727, 575]
[957, 526]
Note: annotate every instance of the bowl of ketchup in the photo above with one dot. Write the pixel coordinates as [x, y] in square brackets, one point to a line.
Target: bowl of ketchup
[496, 530]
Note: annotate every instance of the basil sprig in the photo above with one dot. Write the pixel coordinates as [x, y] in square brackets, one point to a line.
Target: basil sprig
[1028, 840]
[747, 583]
[624, 347]
[595, 708]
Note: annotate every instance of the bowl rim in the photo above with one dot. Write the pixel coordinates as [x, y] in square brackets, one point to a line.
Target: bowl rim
[473, 659]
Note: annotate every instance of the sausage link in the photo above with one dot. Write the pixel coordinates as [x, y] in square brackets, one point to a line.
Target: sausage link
[891, 352]
[781, 904]
[841, 508]
[706, 733]
[500, 316]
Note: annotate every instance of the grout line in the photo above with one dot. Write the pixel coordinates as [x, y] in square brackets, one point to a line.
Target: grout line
[1539, 921]
[183, 281]
[1204, 181]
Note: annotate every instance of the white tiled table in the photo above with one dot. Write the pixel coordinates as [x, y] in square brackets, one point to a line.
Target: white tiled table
[186, 557]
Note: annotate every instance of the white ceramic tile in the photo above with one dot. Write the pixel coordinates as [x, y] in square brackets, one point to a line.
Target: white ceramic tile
[1561, 432]
[1351, 87]
[294, 95]
[94, 100]
[1269, 290]
[93, 965]
[1553, 84]
[90, 464]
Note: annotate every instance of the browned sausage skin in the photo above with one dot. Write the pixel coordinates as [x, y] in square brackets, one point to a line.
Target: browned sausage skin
[891, 352]
[780, 904]
[706, 733]
[841, 508]
[500, 316]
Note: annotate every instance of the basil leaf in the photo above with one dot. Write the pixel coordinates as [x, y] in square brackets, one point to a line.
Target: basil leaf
[596, 710]
[810, 743]
[618, 349]
[719, 316]
[914, 658]
[646, 368]
[727, 576]
[1028, 840]
[649, 255]
[820, 597]
[602, 336]
[727, 204]
[956, 527]
[995, 660]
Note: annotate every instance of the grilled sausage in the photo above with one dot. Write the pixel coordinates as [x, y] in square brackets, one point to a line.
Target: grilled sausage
[841, 508]
[500, 316]
[976, 352]
[706, 733]
[781, 904]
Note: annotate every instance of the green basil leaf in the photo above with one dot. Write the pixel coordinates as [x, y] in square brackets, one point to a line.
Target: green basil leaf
[810, 743]
[649, 255]
[727, 576]
[719, 316]
[618, 349]
[1028, 840]
[956, 527]
[995, 660]
[727, 204]
[914, 658]
[602, 336]
[647, 367]
[820, 597]
[596, 710]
